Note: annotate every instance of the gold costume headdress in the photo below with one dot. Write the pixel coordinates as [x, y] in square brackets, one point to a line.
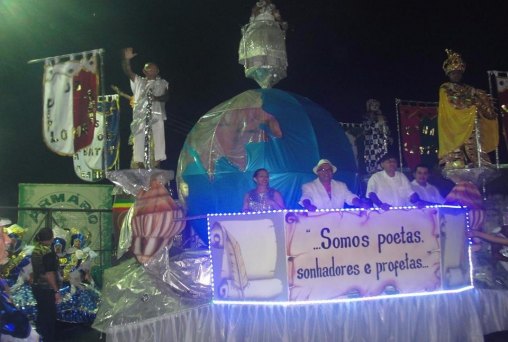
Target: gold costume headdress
[453, 62]
[15, 229]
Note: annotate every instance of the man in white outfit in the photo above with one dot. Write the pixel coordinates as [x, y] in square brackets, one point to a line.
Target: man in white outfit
[150, 94]
[325, 192]
[389, 187]
[426, 191]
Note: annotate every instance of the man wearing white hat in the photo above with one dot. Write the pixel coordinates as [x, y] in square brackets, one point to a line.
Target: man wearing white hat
[325, 192]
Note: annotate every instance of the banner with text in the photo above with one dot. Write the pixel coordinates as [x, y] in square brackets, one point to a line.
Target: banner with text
[338, 255]
[105, 146]
[69, 206]
[70, 103]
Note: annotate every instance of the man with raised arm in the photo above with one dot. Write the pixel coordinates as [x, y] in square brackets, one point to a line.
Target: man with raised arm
[150, 94]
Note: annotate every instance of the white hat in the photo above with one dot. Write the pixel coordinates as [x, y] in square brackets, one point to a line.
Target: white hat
[321, 162]
[4, 221]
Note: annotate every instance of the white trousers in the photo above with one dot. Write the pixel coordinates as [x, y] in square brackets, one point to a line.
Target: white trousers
[159, 143]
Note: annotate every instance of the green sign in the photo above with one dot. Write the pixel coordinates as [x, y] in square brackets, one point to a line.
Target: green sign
[85, 207]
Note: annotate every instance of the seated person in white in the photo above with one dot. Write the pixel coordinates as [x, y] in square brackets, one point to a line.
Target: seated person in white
[389, 187]
[426, 191]
[326, 193]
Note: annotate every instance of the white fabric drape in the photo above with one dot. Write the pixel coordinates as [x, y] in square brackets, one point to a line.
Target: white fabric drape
[465, 316]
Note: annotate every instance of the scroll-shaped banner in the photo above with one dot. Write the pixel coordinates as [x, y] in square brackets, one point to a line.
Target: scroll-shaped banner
[343, 254]
[261, 289]
[248, 259]
[377, 253]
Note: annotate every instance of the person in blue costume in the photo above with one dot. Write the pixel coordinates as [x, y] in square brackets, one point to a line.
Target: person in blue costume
[263, 197]
[17, 258]
[80, 297]
[12, 321]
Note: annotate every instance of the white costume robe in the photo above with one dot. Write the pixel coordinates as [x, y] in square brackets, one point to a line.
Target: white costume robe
[316, 193]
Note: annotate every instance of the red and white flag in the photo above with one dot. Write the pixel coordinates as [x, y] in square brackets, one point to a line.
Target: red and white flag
[418, 132]
[70, 102]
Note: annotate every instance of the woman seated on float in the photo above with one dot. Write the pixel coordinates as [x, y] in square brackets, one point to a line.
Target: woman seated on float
[262, 197]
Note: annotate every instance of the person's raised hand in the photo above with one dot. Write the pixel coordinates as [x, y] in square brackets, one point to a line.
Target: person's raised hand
[128, 53]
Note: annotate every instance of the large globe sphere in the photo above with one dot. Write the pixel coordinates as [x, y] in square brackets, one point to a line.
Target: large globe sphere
[285, 133]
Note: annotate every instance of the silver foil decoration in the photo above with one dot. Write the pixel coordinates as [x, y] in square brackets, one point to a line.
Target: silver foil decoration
[134, 292]
[262, 49]
[189, 273]
[125, 236]
[478, 175]
[156, 217]
[148, 131]
[132, 181]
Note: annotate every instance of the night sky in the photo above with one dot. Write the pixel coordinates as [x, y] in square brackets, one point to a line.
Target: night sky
[340, 54]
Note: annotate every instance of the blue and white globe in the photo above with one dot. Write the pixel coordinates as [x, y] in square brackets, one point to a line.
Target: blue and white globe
[285, 133]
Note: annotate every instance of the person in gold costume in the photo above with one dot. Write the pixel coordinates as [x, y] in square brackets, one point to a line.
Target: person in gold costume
[462, 110]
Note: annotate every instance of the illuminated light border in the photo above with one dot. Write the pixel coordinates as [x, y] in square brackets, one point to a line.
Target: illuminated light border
[341, 300]
[469, 249]
[242, 213]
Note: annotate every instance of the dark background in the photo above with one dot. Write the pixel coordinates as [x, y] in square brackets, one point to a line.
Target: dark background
[340, 54]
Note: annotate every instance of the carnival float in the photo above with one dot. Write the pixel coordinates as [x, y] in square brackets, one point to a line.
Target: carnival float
[192, 266]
